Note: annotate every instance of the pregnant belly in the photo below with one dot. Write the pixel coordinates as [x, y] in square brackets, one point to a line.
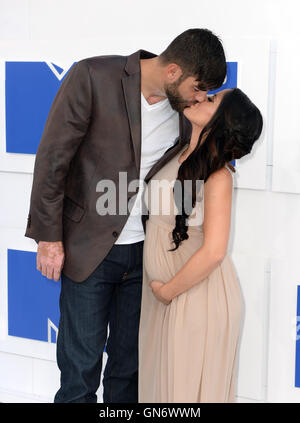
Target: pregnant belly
[161, 264]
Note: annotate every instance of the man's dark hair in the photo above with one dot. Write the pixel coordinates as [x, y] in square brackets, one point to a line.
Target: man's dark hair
[200, 54]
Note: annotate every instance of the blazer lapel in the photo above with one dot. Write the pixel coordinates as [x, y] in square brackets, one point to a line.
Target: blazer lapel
[131, 85]
[132, 93]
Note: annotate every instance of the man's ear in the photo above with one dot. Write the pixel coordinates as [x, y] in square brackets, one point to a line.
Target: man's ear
[173, 72]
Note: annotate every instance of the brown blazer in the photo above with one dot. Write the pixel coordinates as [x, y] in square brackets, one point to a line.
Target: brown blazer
[93, 132]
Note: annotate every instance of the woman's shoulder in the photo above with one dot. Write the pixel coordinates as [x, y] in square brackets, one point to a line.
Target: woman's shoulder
[222, 174]
[220, 180]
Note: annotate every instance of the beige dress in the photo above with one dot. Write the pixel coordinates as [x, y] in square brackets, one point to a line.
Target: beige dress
[187, 349]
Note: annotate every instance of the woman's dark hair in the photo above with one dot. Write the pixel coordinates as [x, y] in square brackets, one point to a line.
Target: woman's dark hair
[229, 135]
[200, 54]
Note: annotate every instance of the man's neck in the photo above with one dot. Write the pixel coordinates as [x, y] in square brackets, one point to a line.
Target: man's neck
[150, 80]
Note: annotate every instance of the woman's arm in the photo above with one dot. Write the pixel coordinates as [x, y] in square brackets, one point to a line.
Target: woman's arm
[216, 230]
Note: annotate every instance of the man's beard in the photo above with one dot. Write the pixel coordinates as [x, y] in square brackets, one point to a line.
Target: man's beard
[176, 101]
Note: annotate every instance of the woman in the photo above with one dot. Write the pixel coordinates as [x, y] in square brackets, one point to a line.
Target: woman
[191, 299]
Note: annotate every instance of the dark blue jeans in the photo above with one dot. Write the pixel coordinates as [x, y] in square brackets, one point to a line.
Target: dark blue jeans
[111, 295]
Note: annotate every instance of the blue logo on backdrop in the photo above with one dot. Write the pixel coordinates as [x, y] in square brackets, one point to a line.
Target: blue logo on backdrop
[297, 364]
[33, 300]
[30, 88]
[231, 77]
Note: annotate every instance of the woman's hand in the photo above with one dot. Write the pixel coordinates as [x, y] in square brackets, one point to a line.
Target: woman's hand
[158, 292]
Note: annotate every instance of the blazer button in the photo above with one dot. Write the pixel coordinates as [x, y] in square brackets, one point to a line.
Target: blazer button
[115, 234]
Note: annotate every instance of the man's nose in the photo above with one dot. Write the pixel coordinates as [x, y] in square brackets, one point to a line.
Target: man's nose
[201, 96]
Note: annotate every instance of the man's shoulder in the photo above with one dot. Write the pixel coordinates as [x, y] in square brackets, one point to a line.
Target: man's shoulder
[104, 60]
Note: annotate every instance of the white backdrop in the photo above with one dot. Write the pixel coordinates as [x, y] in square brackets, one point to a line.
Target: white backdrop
[263, 37]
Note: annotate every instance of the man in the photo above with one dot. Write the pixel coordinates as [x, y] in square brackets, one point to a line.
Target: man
[111, 114]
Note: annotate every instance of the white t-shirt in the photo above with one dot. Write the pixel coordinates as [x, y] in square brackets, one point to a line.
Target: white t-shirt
[160, 128]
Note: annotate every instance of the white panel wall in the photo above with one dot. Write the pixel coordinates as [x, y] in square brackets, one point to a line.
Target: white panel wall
[282, 334]
[265, 222]
[252, 54]
[286, 173]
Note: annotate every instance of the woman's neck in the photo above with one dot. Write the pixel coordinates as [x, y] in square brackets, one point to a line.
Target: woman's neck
[192, 144]
[196, 131]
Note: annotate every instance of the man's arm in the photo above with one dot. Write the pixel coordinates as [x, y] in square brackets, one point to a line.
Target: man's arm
[65, 127]
[216, 230]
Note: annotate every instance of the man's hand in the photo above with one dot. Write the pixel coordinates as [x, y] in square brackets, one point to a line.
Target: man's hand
[157, 291]
[50, 259]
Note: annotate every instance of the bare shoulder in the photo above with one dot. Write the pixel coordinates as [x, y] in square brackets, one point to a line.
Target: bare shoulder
[221, 178]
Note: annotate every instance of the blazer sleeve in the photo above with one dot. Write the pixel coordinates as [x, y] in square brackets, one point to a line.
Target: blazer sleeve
[64, 130]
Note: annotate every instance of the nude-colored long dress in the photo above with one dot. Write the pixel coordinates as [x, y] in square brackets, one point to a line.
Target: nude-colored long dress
[187, 349]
